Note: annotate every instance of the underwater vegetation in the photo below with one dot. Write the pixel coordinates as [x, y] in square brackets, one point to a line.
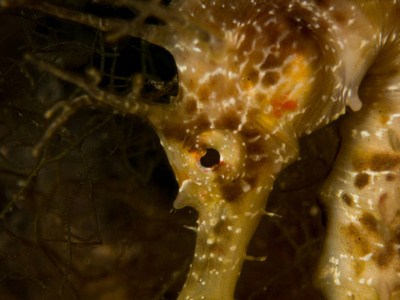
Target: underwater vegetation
[262, 134]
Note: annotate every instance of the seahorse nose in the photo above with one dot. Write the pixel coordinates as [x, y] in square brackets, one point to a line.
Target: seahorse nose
[190, 194]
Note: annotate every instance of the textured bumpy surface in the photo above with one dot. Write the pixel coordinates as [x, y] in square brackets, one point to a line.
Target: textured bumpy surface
[254, 76]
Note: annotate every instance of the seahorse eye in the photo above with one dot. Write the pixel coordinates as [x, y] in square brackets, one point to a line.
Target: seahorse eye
[211, 158]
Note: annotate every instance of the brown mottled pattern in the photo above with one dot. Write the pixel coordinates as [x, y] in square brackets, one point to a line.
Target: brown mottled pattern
[357, 243]
[369, 222]
[348, 199]
[390, 177]
[361, 180]
[376, 162]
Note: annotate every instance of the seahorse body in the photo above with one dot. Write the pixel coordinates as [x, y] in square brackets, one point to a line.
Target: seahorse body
[361, 254]
[256, 75]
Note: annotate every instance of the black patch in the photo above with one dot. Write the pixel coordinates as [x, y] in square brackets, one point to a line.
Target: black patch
[361, 180]
[390, 177]
[231, 191]
[221, 229]
[272, 61]
[356, 242]
[191, 106]
[340, 16]
[369, 222]
[270, 78]
[348, 199]
[385, 255]
[231, 120]
[257, 147]
[376, 162]
[250, 132]
[210, 159]
[273, 33]
[178, 132]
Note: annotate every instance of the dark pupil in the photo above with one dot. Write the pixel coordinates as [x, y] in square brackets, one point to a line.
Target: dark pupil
[211, 158]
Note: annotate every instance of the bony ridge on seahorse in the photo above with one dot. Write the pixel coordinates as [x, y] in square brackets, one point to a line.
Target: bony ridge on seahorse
[254, 76]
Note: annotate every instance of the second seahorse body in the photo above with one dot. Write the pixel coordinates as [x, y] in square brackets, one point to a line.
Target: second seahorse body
[254, 76]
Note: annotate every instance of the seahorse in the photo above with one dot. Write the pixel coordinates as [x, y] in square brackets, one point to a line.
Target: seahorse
[254, 76]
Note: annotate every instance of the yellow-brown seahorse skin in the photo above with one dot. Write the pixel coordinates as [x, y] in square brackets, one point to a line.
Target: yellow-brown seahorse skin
[254, 76]
[269, 72]
[361, 255]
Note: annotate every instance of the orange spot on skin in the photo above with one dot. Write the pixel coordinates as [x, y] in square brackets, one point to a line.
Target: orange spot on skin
[282, 105]
[203, 195]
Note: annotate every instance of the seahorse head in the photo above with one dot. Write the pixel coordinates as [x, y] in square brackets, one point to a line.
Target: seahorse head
[249, 85]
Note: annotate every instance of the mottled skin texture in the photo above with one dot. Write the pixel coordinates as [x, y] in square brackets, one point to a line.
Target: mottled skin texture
[255, 117]
[361, 254]
[254, 76]
[292, 72]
